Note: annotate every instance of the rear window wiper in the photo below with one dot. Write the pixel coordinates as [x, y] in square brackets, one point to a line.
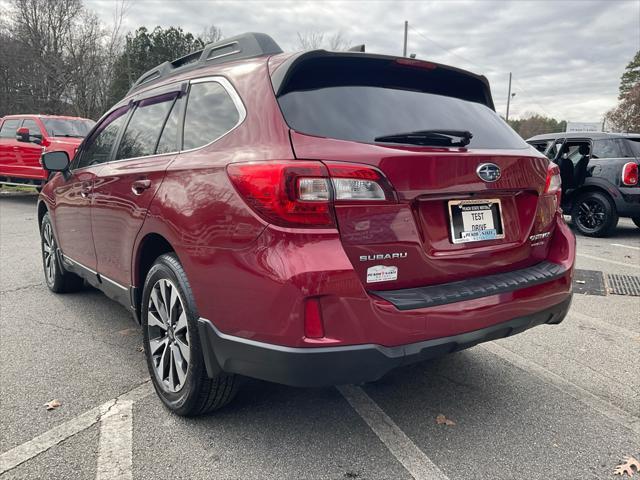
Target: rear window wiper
[445, 138]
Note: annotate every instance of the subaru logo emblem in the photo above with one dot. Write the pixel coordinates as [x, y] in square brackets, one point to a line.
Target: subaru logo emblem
[489, 172]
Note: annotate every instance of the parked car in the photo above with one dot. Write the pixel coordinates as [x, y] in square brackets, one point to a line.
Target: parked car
[23, 138]
[312, 219]
[599, 177]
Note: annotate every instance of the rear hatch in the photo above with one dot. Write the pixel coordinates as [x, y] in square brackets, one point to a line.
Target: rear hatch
[460, 205]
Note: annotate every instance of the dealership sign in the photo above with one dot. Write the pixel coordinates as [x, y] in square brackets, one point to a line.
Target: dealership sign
[584, 126]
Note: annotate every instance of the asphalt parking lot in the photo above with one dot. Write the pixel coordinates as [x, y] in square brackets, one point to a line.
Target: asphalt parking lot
[557, 402]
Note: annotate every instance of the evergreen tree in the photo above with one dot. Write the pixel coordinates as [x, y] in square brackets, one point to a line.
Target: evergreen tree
[144, 50]
[631, 76]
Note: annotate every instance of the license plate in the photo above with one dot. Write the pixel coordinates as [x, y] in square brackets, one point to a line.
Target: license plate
[475, 220]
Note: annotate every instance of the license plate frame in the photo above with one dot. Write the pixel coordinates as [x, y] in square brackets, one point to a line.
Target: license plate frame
[460, 215]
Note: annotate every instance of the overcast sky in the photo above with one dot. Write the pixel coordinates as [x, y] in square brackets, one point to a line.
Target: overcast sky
[566, 56]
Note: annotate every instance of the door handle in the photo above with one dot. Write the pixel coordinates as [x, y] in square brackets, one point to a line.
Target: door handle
[85, 189]
[140, 186]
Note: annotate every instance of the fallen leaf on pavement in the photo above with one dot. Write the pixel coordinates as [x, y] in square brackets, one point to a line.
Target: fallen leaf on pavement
[627, 467]
[140, 348]
[53, 404]
[442, 420]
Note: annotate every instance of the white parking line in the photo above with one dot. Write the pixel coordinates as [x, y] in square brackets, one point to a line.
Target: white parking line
[116, 442]
[606, 260]
[625, 246]
[406, 452]
[616, 414]
[42, 443]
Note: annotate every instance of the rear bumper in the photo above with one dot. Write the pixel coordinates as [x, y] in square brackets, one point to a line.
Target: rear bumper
[628, 203]
[423, 297]
[316, 367]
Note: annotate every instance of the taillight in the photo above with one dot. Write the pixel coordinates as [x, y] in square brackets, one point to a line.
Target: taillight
[288, 194]
[301, 193]
[553, 184]
[630, 174]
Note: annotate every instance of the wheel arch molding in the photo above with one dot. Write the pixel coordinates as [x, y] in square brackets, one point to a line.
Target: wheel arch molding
[148, 248]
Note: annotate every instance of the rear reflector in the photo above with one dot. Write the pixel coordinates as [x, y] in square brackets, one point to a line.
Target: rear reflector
[313, 327]
[630, 174]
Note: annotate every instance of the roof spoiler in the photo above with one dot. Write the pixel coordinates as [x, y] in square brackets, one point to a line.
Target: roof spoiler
[283, 74]
[247, 45]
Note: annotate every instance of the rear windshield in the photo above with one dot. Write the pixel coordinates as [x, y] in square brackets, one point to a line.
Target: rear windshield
[348, 104]
[64, 127]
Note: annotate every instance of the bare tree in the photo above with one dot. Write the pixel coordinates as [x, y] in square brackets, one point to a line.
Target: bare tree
[211, 34]
[310, 40]
[56, 57]
[42, 28]
[338, 42]
[313, 40]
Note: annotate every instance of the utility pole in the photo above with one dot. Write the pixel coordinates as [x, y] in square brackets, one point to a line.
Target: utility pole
[129, 63]
[406, 29]
[508, 98]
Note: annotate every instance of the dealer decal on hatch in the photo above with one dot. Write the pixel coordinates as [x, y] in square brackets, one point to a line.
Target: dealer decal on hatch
[381, 273]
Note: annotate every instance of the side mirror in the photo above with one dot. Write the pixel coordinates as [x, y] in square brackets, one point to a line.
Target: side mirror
[55, 161]
[24, 135]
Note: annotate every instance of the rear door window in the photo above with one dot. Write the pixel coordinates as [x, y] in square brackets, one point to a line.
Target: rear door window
[211, 112]
[9, 128]
[142, 132]
[68, 127]
[554, 149]
[607, 148]
[540, 146]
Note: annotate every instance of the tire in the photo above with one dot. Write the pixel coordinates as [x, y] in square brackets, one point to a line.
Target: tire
[594, 214]
[636, 220]
[56, 277]
[185, 391]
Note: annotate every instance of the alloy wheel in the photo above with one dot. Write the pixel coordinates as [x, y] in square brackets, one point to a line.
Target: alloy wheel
[168, 331]
[48, 254]
[591, 214]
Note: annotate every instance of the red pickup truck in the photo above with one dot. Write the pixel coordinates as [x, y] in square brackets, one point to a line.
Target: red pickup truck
[23, 138]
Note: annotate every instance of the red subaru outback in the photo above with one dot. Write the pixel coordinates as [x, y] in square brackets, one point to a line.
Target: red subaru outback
[310, 219]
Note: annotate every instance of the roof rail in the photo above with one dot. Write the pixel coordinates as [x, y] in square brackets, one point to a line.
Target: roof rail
[243, 46]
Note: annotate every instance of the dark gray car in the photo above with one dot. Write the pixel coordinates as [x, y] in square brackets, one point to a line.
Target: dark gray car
[599, 174]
